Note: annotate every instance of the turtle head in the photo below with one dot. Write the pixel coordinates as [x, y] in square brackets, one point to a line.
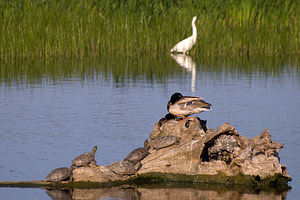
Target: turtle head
[146, 145]
[94, 150]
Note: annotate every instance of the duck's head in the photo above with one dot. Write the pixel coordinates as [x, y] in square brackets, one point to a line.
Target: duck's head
[175, 97]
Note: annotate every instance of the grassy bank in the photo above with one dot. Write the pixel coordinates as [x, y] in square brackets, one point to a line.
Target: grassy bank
[77, 28]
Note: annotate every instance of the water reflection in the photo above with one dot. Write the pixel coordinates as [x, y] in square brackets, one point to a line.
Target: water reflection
[163, 193]
[63, 106]
[123, 69]
[56, 194]
[187, 62]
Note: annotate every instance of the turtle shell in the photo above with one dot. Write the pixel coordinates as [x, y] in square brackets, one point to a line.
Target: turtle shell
[123, 167]
[136, 155]
[165, 141]
[59, 174]
[83, 159]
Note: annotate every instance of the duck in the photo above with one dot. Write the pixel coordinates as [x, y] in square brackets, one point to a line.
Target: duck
[184, 106]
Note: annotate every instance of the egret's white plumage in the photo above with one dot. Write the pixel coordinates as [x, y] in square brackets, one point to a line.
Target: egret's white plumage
[185, 45]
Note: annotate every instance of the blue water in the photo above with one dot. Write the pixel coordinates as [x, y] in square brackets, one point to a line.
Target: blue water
[45, 124]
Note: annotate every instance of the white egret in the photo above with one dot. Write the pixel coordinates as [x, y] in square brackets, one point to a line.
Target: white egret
[185, 45]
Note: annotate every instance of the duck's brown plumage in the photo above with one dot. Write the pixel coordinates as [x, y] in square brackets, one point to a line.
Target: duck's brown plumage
[183, 106]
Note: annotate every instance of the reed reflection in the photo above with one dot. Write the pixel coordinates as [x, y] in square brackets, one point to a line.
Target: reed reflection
[124, 69]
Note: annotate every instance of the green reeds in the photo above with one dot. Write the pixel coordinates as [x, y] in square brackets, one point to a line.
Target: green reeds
[77, 28]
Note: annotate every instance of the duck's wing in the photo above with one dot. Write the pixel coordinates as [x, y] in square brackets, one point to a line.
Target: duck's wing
[187, 99]
[201, 104]
[193, 97]
[194, 106]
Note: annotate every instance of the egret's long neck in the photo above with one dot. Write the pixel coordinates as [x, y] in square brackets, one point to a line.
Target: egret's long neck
[194, 31]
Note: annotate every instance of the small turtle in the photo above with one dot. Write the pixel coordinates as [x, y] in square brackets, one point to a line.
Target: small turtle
[123, 167]
[138, 154]
[165, 119]
[59, 174]
[85, 158]
[165, 141]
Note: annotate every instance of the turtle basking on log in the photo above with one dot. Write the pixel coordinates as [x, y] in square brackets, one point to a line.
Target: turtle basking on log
[138, 154]
[85, 159]
[60, 174]
[165, 141]
[123, 167]
[130, 164]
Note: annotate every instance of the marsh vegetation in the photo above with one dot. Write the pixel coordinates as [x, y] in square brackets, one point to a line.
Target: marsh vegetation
[76, 28]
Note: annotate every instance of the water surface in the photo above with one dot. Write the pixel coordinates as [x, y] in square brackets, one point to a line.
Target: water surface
[52, 111]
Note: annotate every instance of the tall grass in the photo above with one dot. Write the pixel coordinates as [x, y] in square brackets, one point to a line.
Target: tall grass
[82, 28]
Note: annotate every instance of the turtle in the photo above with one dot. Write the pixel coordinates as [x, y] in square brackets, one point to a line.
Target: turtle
[138, 154]
[165, 119]
[165, 141]
[123, 167]
[59, 174]
[84, 159]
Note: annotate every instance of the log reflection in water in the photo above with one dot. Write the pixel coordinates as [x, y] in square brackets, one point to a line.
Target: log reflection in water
[166, 193]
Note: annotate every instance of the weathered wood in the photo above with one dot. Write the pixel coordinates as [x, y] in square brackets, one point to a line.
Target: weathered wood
[201, 156]
[216, 155]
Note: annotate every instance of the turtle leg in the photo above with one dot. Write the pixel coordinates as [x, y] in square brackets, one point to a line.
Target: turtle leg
[71, 179]
[137, 166]
[150, 150]
[94, 164]
[89, 165]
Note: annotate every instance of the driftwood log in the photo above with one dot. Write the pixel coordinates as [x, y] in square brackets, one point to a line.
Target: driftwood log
[202, 155]
[197, 155]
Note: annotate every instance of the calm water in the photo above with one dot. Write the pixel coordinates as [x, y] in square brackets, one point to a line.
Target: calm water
[50, 112]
